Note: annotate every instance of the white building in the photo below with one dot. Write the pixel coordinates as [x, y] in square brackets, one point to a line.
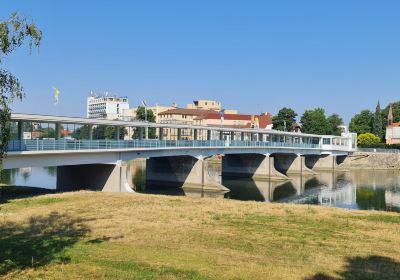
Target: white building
[106, 107]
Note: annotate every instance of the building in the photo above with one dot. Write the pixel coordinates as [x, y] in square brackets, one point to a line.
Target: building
[392, 129]
[203, 117]
[130, 114]
[106, 106]
[205, 105]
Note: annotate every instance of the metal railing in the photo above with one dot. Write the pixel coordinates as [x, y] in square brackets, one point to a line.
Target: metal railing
[67, 144]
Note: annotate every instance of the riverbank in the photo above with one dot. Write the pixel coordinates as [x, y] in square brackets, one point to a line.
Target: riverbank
[88, 235]
[371, 161]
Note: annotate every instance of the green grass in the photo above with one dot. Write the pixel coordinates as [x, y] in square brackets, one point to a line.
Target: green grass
[132, 236]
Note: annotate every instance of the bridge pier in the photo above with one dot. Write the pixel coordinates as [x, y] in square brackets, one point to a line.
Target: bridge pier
[256, 166]
[291, 164]
[101, 177]
[182, 171]
[324, 162]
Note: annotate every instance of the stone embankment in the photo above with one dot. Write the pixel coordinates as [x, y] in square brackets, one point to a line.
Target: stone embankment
[375, 161]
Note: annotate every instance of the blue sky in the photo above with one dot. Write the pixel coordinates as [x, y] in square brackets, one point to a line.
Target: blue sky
[252, 55]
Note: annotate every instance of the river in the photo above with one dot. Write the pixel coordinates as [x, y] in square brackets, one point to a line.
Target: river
[361, 189]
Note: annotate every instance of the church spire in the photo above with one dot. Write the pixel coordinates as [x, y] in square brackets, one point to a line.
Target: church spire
[390, 116]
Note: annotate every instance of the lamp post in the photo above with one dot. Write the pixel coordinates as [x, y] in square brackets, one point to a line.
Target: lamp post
[146, 128]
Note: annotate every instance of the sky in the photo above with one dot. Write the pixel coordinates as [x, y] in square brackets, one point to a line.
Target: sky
[254, 56]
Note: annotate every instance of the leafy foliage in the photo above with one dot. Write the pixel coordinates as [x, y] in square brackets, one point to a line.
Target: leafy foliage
[285, 116]
[368, 139]
[377, 125]
[335, 121]
[13, 33]
[315, 122]
[99, 132]
[396, 113]
[141, 115]
[362, 122]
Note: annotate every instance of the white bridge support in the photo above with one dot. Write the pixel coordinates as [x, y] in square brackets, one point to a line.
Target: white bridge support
[183, 171]
[292, 164]
[324, 162]
[255, 166]
[102, 177]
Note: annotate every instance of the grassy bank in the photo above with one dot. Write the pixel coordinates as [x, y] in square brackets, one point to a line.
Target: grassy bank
[118, 236]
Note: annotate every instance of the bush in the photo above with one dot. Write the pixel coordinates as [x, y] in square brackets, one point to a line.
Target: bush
[381, 146]
[368, 139]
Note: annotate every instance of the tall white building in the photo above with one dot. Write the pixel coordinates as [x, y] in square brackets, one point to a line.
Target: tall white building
[106, 107]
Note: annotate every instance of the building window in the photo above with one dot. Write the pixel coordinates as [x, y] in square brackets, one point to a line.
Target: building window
[326, 141]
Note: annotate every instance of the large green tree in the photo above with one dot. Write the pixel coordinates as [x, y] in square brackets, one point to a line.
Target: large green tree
[141, 115]
[285, 119]
[314, 121]
[377, 125]
[362, 122]
[14, 32]
[335, 121]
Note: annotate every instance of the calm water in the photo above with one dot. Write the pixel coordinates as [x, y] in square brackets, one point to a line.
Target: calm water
[367, 190]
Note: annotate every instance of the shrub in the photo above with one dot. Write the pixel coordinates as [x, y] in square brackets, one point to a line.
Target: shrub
[368, 139]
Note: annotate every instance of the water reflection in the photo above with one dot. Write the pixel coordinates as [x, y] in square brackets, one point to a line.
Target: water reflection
[367, 190]
[40, 177]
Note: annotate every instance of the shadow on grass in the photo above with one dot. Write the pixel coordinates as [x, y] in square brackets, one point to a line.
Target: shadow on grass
[13, 192]
[368, 268]
[38, 241]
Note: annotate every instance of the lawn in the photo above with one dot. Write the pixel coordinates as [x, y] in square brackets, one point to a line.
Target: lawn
[93, 235]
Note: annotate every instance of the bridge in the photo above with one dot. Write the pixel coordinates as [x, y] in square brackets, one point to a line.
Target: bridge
[102, 163]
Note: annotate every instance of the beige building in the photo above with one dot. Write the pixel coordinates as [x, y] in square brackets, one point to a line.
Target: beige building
[392, 129]
[209, 105]
[205, 104]
[130, 114]
[203, 117]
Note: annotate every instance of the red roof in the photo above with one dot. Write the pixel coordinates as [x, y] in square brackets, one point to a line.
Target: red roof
[192, 112]
[263, 119]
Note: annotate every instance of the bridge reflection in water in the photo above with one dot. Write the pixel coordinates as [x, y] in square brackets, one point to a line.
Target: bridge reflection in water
[366, 190]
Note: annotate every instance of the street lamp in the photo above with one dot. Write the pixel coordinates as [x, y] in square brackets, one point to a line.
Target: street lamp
[145, 119]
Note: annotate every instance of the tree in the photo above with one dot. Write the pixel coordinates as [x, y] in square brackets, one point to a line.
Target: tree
[81, 132]
[111, 132]
[141, 115]
[315, 122]
[377, 125]
[99, 132]
[362, 122]
[335, 121]
[285, 119]
[396, 113]
[368, 139]
[13, 33]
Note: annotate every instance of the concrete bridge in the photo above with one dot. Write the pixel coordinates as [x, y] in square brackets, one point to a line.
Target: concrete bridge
[102, 163]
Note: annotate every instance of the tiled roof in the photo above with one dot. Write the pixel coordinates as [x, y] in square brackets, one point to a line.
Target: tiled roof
[263, 119]
[193, 112]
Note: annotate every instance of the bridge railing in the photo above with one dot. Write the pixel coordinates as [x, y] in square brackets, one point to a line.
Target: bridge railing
[67, 144]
